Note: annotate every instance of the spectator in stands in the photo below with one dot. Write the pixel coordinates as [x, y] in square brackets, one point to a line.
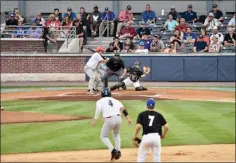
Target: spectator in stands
[69, 13]
[118, 46]
[232, 21]
[157, 45]
[83, 23]
[189, 36]
[215, 45]
[171, 48]
[127, 31]
[174, 13]
[143, 29]
[86, 18]
[182, 27]
[170, 24]
[37, 18]
[110, 17]
[217, 34]
[206, 38]
[230, 38]
[110, 49]
[20, 31]
[52, 22]
[217, 13]
[200, 45]
[34, 31]
[176, 38]
[124, 17]
[126, 49]
[129, 41]
[210, 21]
[57, 14]
[66, 23]
[12, 20]
[190, 16]
[17, 14]
[148, 15]
[146, 40]
[79, 32]
[95, 20]
[141, 48]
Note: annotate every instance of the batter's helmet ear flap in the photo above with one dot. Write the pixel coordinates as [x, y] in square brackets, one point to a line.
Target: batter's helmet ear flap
[106, 92]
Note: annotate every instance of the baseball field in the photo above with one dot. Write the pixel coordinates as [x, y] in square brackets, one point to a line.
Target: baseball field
[52, 124]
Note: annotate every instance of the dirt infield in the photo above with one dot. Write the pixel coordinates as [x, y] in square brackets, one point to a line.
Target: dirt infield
[160, 93]
[189, 153]
[27, 117]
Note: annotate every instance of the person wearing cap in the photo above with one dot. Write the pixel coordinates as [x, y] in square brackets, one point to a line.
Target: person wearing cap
[149, 15]
[109, 16]
[182, 27]
[217, 34]
[157, 44]
[141, 48]
[124, 17]
[230, 38]
[217, 13]
[91, 69]
[215, 45]
[210, 21]
[174, 13]
[143, 29]
[95, 20]
[200, 45]
[232, 21]
[38, 17]
[190, 16]
[127, 31]
[12, 21]
[79, 31]
[151, 122]
[170, 24]
[70, 13]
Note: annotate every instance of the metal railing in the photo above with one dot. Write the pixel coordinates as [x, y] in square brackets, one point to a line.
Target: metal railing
[106, 28]
[26, 31]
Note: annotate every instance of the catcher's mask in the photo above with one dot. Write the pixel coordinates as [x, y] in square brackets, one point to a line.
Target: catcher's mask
[137, 64]
[106, 92]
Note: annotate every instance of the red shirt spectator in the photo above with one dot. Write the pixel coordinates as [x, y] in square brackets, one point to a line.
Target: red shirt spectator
[52, 23]
[127, 31]
[182, 26]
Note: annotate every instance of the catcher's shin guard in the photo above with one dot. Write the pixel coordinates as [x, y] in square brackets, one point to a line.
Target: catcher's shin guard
[114, 87]
[141, 88]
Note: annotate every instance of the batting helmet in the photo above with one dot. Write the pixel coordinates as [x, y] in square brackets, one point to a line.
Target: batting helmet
[151, 103]
[106, 92]
[100, 49]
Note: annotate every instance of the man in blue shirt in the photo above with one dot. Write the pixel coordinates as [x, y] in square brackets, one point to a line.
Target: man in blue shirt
[109, 16]
[147, 42]
[200, 45]
[189, 36]
[149, 15]
[69, 13]
[190, 16]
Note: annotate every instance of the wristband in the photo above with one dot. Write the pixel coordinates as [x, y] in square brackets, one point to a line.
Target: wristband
[125, 112]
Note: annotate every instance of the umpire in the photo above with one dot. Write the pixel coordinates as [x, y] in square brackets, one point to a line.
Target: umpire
[114, 66]
[152, 123]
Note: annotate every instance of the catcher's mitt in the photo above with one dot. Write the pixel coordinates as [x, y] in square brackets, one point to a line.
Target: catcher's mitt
[137, 141]
[146, 69]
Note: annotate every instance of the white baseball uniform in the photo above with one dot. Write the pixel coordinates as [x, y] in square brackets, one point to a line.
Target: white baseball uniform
[91, 69]
[110, 109]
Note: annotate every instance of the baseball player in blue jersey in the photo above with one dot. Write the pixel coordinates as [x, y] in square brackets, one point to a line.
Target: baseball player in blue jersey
[111, 110]
[151, 122]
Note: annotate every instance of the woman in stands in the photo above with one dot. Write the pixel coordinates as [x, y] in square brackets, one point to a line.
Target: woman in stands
[176, 39]
[230, 38]
[52, 23]
[215, 46]
[66, 23]
[129, 42]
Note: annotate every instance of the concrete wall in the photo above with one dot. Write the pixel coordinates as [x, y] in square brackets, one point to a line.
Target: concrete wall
[69, 67]
[8, 5]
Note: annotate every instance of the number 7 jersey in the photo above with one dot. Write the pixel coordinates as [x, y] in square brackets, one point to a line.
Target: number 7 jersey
[151, 122]
[108, 106]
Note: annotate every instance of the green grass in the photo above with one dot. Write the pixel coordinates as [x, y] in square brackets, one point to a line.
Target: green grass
[190, 122]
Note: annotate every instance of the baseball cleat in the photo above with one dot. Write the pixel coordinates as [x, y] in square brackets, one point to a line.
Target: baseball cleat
[118, 155]
[114, 153]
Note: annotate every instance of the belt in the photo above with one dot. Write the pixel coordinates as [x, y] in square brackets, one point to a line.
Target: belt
[112, 116]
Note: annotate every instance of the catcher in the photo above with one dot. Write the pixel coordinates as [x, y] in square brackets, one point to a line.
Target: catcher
[134, 74]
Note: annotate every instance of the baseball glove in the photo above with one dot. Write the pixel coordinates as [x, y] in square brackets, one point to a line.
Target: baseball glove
[137, 141]
[146, 69]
